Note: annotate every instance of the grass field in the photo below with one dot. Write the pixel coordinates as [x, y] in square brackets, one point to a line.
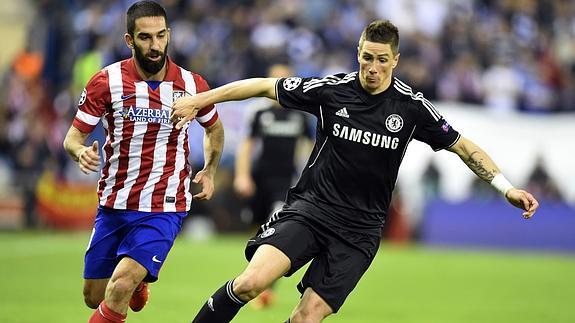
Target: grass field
[41, 281]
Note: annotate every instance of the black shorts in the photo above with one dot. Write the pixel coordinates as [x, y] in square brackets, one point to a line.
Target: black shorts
[336, 266]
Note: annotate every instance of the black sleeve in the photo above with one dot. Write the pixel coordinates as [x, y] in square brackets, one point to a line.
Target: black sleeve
[432, 128]
[299, 94]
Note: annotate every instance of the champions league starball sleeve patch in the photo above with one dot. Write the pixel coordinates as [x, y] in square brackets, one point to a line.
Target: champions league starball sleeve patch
[291, 83]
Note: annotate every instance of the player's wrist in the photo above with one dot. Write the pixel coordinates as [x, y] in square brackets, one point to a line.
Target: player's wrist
[502, 184]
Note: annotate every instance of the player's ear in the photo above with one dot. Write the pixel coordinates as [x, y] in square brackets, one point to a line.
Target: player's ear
[395, 60]
[129, 40]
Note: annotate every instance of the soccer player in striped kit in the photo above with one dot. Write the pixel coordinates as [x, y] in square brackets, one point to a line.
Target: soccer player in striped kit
[144, 188]
[334, 215]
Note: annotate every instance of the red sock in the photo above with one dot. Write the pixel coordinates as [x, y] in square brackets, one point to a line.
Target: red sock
[103, 314]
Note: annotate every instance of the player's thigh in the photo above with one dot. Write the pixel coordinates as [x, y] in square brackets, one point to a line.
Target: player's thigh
[149, 242]
[311, 307]
[266, 266]
[294, 239]
[101, 258]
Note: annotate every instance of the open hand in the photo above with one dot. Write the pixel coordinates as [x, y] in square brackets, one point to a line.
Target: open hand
[205, 179]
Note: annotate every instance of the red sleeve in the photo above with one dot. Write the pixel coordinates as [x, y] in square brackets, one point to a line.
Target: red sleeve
[208, 115]
[93, 102]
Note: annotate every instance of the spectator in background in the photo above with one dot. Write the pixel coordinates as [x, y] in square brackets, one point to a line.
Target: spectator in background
[144, 189]
[278, 133]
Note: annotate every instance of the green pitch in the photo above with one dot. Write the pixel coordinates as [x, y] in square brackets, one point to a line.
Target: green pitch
[41, 281]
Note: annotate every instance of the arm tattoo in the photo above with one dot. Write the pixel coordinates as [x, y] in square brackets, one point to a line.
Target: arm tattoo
[476, 165]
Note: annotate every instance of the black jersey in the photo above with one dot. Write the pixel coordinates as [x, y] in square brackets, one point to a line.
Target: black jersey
[360, 142]
[279, 129]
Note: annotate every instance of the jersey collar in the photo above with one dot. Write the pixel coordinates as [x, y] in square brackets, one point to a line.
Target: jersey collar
[370, 98]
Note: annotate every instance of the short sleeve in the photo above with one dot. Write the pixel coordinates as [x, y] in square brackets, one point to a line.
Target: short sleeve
[207, 116]
[94, 100]
[300, 93]
[433, 129]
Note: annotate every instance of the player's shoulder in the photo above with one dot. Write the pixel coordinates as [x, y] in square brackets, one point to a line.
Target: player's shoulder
[405, 92]
[411, 98]
[339, 80]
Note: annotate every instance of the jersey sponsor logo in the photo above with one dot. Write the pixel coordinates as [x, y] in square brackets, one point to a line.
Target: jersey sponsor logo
[133, 113]
[83, 97]
[267, 233]
[394, 123]
[365, 137]
[342, 113]
[291, 83]
[178, 94]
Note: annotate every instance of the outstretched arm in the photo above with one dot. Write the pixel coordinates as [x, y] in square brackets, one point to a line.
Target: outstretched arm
[213, 146]
[483, 166]
[186, 108]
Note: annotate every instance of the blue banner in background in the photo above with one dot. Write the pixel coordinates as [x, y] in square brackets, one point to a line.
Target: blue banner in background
[496, 224]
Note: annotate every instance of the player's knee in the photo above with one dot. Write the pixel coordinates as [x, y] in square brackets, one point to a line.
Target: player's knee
[248, 286]
[306, 315]
[121, 286]
[92, 300]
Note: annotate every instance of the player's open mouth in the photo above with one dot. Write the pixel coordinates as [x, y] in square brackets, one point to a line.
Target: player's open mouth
[155, 57]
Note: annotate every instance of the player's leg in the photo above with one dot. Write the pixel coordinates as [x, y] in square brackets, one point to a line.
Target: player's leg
[128, 274]
[311, 308]
[332, 275]
[267, 265]
[147, 240]
[94, 291]
[279, 250]
[101, 259]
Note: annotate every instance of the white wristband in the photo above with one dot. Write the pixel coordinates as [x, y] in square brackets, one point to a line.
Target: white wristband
[501, 184]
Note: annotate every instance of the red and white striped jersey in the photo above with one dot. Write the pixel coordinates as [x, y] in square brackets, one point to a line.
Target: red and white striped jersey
[146, 164]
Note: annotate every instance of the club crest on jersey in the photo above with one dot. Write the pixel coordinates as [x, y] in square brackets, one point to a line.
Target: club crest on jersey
[394, 123]
[291, 83]
[267, 233]
[83, 97]
[133, 113]
[178, 94]
[445, 126]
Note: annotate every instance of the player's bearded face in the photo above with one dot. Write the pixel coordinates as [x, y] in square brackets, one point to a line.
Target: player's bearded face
[376, 64]
[153, 60]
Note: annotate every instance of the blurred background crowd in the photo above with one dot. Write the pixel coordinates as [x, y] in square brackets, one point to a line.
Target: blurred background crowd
[504, 57]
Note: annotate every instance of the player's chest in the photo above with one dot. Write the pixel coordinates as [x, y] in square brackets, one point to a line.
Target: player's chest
[142, 103]
[360, 123]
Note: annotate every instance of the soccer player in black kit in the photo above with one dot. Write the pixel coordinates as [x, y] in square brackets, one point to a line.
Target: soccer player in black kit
[334, 215]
